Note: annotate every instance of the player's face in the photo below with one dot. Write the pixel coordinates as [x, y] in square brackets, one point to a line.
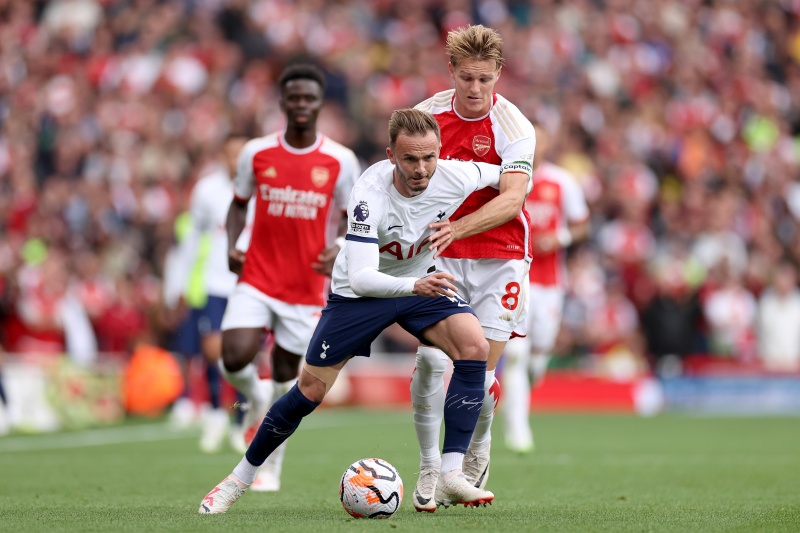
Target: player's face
[301, 101]
[414, 158]
[474, 80]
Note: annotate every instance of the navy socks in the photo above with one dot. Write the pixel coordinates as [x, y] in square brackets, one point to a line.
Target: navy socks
[282, 419]
[463, 404]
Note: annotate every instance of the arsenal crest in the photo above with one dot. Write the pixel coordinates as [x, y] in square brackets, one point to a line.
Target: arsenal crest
[320, 176]
[481, 144]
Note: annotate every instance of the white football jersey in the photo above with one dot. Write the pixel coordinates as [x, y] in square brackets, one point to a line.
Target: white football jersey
[378, 213]
[211, 198]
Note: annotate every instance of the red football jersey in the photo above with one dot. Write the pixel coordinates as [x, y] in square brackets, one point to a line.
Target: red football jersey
[502, 137]
[555, 200]
[300, 196]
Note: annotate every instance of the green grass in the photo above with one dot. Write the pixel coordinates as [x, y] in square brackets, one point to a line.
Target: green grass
[589, 473]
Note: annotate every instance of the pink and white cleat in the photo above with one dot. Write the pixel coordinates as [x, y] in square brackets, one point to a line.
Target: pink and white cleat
[221, 497]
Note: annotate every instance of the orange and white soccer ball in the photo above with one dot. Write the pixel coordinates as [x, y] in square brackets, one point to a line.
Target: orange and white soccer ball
[371, 488]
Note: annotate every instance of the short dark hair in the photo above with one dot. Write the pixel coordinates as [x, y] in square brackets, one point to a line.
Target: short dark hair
[412, 122]
[301, 71]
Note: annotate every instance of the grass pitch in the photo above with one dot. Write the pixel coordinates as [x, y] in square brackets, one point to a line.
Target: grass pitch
[589, 473]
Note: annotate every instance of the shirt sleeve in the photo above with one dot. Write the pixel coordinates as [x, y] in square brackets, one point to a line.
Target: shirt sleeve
[351, 170]
[574, 202]
[489, 175]
[516, 152]
[365, 277]
[244, 183]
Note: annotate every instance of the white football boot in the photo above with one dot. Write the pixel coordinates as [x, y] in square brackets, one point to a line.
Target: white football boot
[476, 467]
[454, 489]
[425, 491]
[221, 497]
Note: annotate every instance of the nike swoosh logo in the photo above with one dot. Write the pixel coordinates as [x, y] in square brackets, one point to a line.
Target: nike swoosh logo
[420, 499]
[392, 227]
[465, 402]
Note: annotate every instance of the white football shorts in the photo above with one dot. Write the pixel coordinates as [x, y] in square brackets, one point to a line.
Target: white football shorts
[496, 289]
[292, 325]
[545, 306]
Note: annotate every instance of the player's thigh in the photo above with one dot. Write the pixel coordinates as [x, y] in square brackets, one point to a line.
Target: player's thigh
[460, 337]
[497, 291]
[544, 316]
[347, 327]
[447, 323]
[210, 327]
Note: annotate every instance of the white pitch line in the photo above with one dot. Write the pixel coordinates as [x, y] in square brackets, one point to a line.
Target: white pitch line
[142, 433]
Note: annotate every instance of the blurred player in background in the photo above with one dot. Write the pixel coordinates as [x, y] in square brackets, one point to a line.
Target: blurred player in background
[301, 181]
[387, 274]
[559, 218]
[491, 267]
[204, 245]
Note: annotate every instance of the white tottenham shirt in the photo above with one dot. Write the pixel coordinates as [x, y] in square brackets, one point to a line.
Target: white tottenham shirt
[386, 250]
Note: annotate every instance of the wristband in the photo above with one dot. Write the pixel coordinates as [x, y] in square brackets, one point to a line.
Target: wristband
[339, 241]
[564, 237]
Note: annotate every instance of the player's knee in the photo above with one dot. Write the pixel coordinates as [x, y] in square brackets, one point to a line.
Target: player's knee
[311, 387]
[237, 351]
[473, 350]
[431, 360]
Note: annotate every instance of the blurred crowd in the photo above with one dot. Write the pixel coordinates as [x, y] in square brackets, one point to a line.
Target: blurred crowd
[679, 118]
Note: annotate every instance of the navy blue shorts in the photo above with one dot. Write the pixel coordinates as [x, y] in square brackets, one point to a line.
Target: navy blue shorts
[210, 320]
[199, 322]
[349, 325]
[186, 339]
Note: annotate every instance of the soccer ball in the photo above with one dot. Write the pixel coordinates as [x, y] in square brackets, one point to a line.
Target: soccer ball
[371, 488]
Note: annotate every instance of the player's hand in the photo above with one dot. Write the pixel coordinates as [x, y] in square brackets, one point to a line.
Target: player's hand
[325, 260]
[443, 235]
[545, 243]
[235, 261]
[437, 284]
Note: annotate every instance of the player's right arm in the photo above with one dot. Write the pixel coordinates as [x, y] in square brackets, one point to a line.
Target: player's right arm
[243, 187]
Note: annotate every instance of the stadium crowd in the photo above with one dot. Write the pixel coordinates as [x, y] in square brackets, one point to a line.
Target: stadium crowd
[679, 118]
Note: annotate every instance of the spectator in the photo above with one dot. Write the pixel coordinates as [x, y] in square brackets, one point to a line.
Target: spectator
[679, 119]
[779, 321]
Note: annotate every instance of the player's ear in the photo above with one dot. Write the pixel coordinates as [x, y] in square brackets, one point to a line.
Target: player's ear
[452, 71]
[499, 70]
[390, 154]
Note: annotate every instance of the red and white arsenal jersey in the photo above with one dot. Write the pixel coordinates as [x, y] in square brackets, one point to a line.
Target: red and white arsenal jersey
[300, 196]
[555, 201]
[502, 137]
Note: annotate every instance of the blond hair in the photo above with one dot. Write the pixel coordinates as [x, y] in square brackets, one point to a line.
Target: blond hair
[412, 122]
[475, 42]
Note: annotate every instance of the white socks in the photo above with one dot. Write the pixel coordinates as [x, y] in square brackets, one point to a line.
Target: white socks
[516, 389]
[427, 399]
[451, 461]
[245, 471]
[245, 380]
[482, 437]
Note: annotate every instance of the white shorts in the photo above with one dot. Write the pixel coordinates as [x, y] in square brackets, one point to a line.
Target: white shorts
[292, 325]
[497, 290]
[544, 316]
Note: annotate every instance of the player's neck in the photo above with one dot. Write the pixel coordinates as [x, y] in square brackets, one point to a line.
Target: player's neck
[300, 138]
